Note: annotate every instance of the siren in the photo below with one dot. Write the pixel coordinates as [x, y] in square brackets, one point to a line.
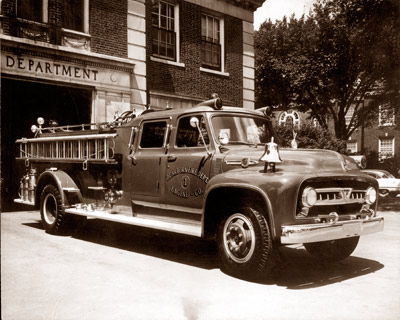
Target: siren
[360, 160]
[271, 155]
[215, 102]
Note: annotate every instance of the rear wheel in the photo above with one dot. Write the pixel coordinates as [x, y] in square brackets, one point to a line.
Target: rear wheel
[53, 218]
[245, 245]
[334, 250]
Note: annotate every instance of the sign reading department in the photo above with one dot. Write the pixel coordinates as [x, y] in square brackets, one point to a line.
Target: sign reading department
[47, 68]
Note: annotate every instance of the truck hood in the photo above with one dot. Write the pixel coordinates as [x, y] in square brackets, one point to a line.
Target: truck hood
[293, 160]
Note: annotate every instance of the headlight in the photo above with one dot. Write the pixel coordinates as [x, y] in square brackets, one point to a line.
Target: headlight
[309, 197]
[370, 196]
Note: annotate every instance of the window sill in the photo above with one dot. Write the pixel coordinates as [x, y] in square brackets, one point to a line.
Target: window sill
[219, 73]
[75, 33]
[386, 125]
[75, 39]
[172, 63]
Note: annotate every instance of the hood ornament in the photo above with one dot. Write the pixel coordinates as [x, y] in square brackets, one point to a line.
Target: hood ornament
[271, 155]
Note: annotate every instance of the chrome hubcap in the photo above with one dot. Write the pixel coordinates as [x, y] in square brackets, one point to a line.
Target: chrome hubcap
[239, 238]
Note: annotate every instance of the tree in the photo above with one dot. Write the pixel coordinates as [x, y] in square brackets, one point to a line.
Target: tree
[310, 137]
[329, 62]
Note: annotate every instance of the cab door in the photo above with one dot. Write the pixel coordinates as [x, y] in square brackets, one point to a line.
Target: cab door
[188, 165]
[147, 160]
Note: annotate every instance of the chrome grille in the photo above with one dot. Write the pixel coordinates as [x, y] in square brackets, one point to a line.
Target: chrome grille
[338, 196]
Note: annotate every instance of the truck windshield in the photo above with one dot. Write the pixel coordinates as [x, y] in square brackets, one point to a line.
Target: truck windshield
[240, 129]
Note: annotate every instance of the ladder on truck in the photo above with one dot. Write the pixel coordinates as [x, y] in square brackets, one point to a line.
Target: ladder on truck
[69, 148]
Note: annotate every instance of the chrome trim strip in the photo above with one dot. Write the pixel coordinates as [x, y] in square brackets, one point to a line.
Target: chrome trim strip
[325, 231]
[30, 203]
[239, 162]
[192, 230]
[166, 207]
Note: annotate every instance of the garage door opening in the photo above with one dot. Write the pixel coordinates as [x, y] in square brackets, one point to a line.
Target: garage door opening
[22, 102]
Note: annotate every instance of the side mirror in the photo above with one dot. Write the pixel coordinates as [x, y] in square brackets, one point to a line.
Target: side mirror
[194, 122]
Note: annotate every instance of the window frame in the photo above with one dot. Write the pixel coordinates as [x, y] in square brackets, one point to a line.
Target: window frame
[199, 143]
[215, 41]
[386, 154]
[85, 18]
[294, 115]
[388, 120]
[352, 150]
[348, 117]
[172, 29]
[42, 12]
[142, 131]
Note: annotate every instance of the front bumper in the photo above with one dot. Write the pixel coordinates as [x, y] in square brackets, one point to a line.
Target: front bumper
[305, 233]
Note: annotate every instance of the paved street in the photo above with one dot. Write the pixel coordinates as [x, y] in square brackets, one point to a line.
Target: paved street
[111, 271]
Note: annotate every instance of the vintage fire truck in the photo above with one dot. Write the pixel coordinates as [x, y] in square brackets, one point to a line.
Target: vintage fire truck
[212, 171]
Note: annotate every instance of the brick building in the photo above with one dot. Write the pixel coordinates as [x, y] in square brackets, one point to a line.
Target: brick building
[81, 61]
[382, 136]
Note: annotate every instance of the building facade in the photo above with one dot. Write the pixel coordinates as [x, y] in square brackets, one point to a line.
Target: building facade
[83, 61]
[382, 136]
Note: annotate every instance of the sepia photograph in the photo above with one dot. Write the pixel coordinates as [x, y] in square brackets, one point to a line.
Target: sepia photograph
[200, 159]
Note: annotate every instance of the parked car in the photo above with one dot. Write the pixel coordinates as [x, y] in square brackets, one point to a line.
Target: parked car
[388, 184]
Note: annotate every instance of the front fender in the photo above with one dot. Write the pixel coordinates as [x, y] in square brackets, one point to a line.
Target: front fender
[65, 184]
[246, 186]
[277, 189]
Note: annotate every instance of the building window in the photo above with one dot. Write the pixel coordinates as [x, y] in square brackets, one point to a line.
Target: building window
[29, 10]
[211, 44]
[289, 118]
[352, 147]
[164, 30]
[74, 15]
[386, 115]
[349, 116]
[386, 148]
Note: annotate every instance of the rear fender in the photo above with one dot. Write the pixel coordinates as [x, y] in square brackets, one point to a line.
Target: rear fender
[69, 191]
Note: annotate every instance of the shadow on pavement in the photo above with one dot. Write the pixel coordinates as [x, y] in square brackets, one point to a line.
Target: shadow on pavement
[389, 204]
[295, 269]
[169, 246]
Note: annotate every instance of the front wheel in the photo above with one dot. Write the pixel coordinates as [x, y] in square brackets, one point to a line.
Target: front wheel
[334, 250]
[53, 218]
[245, 245]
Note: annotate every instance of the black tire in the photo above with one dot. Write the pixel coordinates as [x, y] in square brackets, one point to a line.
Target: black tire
[53, 218]
[334, 250]
[245, 244]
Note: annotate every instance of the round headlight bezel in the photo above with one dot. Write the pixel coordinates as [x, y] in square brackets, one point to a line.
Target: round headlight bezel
[371, 195]
[34, 128]
[309, 197]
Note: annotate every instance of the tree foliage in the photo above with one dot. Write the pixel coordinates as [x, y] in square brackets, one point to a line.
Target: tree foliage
[331, 61]
[310, 137]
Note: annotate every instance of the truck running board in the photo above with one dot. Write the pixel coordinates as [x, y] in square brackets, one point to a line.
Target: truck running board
[192, 230]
